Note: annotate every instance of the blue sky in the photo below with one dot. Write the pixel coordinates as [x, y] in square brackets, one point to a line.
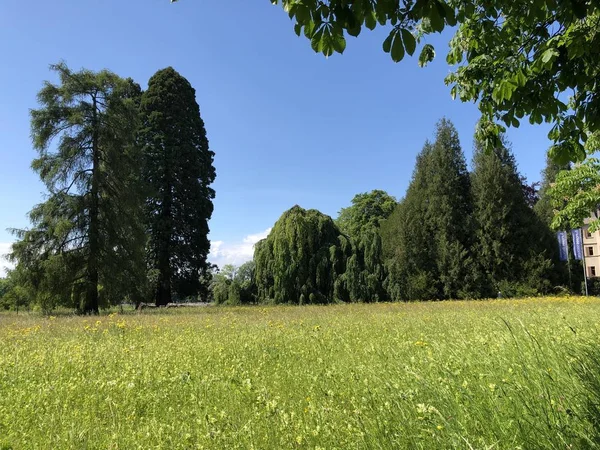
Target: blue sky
[287, 125]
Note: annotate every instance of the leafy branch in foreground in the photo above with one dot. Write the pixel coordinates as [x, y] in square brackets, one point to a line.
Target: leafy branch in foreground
[535, 59]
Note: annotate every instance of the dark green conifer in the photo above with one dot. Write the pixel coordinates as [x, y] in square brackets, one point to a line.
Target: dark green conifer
[178, 167]
[515, 249]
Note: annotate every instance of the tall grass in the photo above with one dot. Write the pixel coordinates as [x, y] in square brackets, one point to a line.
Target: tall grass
[501, 374]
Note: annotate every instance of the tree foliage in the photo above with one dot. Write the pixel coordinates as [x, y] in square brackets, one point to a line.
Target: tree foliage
[234, 285]
[544, 207]
[575, 194]
[365, 274]
[515, 249]
[366, 213]
[86, 240]
[537, 59]
[178, 168]
[302, 260]
[428, 238]
[5, 288]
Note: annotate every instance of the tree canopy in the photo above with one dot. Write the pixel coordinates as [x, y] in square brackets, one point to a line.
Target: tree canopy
[87, 239]
[367, 211]
[178, 169]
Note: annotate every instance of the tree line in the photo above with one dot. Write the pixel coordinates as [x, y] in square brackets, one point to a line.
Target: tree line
[125, 218]
[128, 175]
[455, 235]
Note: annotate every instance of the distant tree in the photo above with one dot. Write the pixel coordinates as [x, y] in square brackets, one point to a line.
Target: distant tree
[367, 211]
[178, 167]
[366, 272]
[245, 278]
[245, 272]
[228, 271]
[302, 260]
[5, 287]
[87, 236]
[220, 291]
[514, 248]
[234, 285]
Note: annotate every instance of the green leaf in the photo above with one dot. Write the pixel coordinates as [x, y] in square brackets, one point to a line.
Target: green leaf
[309, 28]
[380, 13]
[397, 48]
[503, 91]
[339, 42]
[315, 41]
[409, 41]
[450, 14]
[355, 31]
[436, 20]
[549, 54]
[519, 79]
[427, 55]
[302, 13]
[327, 42]
[370, 20]
[387, 44]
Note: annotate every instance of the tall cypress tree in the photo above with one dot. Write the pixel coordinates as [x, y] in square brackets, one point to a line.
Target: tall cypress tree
[448, 214]
[407, 243]
[88, 230]
[427, 240]
[178, 168]
[514, 248]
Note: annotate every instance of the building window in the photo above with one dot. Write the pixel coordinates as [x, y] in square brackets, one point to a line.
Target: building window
[590, 251]
[592, 271]
[588, 234]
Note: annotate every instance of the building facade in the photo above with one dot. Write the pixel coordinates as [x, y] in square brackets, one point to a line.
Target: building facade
[591, 251]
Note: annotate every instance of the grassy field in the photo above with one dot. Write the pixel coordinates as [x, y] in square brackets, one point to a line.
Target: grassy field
[500, 374]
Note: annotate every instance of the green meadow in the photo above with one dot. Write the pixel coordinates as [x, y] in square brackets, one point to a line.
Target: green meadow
[501, 374]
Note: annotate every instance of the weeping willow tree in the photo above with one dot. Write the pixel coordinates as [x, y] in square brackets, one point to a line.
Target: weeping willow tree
[303, 260]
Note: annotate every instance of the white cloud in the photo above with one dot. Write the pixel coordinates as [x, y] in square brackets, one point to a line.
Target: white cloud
[221, 252]
[236, 253]
[4, 264]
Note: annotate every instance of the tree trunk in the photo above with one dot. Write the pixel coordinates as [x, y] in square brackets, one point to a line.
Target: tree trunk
[163, 289]
[91, 298]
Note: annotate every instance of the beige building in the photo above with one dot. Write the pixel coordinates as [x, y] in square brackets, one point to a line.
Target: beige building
[591, 251]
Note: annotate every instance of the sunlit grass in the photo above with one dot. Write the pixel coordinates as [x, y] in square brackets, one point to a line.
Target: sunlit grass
[494, 374]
